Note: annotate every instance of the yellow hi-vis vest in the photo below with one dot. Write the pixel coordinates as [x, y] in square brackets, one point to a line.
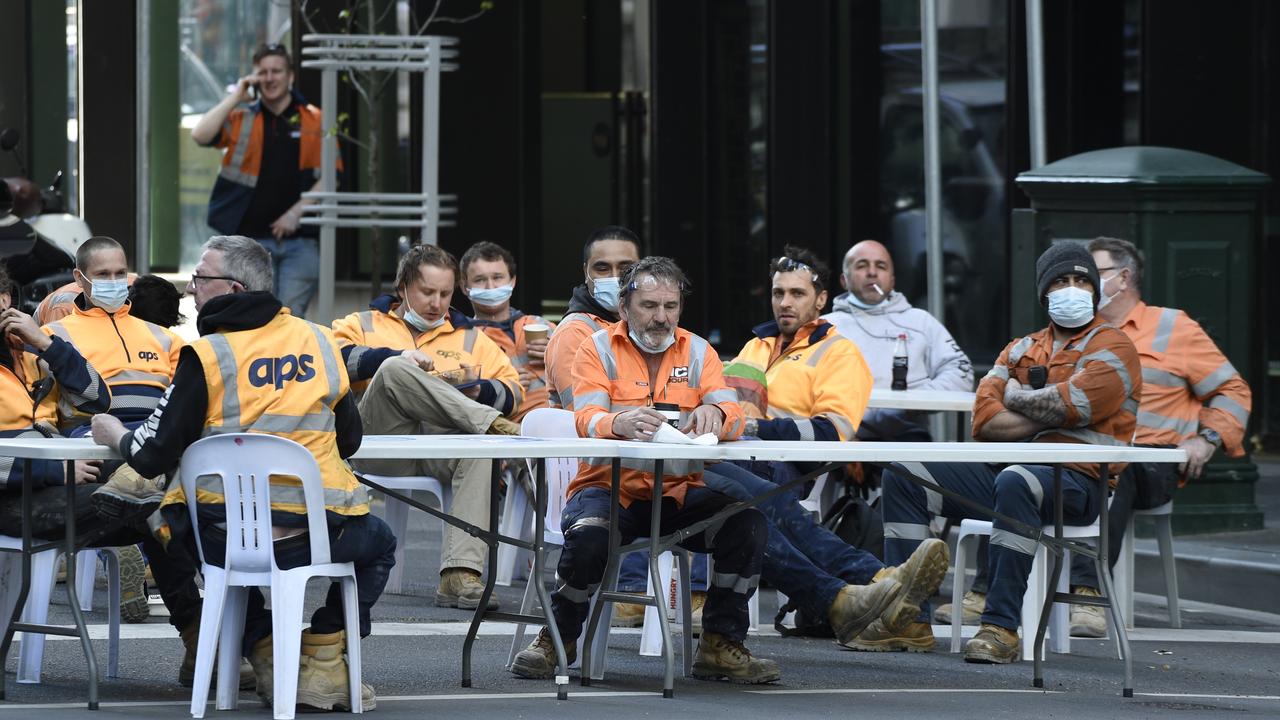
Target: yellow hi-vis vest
[285, 379]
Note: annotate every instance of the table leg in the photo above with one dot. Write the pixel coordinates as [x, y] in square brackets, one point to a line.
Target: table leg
[495, 478]
[539, 561]
[1051, 588]
[610, 570]
[661, 591]
[70, 555]
[25, 587]
[1103, 564]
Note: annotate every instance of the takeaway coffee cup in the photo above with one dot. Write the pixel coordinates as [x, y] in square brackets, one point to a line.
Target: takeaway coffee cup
[533, 333]
[671, 412]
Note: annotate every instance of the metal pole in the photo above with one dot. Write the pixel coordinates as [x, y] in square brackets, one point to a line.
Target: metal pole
[1035, 81]
[328, 184]
[932, 163]
[431, 144]
[142, 138]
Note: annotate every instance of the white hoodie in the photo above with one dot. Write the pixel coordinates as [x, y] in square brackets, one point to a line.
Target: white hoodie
[934, 360]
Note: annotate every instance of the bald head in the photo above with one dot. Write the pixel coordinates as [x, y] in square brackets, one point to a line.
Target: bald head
[867, 266]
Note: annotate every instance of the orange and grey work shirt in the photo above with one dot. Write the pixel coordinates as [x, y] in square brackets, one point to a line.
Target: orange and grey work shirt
[1097, 375]
[1187, 383]
[509, 336]
[610, 377]
[569, 335]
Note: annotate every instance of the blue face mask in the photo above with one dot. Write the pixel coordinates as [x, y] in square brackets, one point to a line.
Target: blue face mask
[1071, 307]
[490, 297]
[418, 322]
[109, 295]
[605, 291]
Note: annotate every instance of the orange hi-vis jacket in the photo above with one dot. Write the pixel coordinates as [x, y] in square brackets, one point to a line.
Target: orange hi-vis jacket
[1187, 383]
[611, 377]
[135, 358]
[368, 338]
[1097, 375]
[510, 337]
[818, 386]
[570, 334]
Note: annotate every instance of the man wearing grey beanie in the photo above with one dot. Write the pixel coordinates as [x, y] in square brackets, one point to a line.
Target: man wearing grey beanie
[1077, 380]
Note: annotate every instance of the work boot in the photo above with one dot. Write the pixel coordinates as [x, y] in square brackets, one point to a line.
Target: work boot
[719, 658]
[856, 606]
[187, 671]
[697, 601]
[993, 644]
[323, 679]
[461, 588]
[627, 615]
[133, 585]
[503, 426]
[920, 577]
[1088, 620]
[262, 664]
[973, 603]
[538, 661]
[128, 494]
[916, 637]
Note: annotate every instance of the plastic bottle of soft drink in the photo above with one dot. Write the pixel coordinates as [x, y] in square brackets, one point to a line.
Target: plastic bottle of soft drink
[900, 363]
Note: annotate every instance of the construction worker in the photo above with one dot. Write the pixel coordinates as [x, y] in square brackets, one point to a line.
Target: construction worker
[619, 375]
[62, 301]
[390, 352]
[1192, 398]
[488, 279]
[799, 379]
[1078, 381]
[284, 373]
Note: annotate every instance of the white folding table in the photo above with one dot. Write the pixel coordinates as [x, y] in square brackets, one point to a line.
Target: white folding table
[954, 401]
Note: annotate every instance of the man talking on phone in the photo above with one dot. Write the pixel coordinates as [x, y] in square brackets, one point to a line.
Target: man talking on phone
[270, 156]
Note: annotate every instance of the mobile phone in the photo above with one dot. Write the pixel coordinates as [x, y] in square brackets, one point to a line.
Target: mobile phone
[253, 91]
[1037, 375]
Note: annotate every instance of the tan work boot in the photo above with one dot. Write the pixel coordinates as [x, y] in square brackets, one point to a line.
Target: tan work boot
[323, 680]
[627, 615]
[503, 426]
[993, 644]
[920, 577]
[973, 604]
[187, 671]
[128, 494]
[719, 658]
[538, 661]
[856, 606]
[133, 585]
[262, 662]
[1088, 620]
[461, 588]
[915, 637]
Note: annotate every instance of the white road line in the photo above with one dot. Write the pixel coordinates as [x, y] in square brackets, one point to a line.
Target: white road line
[381, 699]
[1202, 696]
[871, 691]
[1196, 606]
[1169, 635]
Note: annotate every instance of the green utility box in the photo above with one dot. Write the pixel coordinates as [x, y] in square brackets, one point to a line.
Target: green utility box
[1198, 221]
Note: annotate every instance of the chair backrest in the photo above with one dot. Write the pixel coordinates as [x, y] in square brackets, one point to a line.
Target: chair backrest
[553, 423]
[243, 463]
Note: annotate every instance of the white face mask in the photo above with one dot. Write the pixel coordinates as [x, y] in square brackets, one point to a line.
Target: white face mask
[661, 347]
[1103, 298]
[418, 322]
[109, 295]
[490, 297]
[1071, 307]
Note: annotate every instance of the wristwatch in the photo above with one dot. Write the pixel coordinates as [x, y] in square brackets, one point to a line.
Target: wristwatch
[1212, 436]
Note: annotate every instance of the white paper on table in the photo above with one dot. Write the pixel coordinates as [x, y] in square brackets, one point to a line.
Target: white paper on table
[667, 434]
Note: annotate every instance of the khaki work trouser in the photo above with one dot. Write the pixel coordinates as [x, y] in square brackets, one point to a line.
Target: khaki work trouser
[402, 399]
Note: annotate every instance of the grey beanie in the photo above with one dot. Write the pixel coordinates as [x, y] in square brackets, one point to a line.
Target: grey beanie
[1063, 257]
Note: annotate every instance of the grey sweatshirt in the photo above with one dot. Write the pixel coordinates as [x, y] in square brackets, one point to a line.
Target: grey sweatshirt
[934, 360]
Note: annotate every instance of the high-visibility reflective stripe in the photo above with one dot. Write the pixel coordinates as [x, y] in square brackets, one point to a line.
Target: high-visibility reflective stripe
[160, 335]
[718, 396]
[500, 393]
[735, 582]
[238, 177]
[60, 330]
[1156, 376]
[697, 358]
[777, 412]
[242, 142]
[906, 531]
[1014, 542]
[1084, 341]
[1081, 402]
[469, 340]
[283, 494]
[577, 596]
[272, 423]
[1033, 482]
[230, 390]
[1019, 349]
[932, 498]
[823, 346]
[1115, 363]
[670, 468]
[138, 376]
[593, 422]
[124, 401]
[1215, 379]
[563, 398]
[1164, 330]
[998, 371]
[843, 425]
[600, 522]
[1085, 435]
[353, 359]
[577, 317]
[601, 340]
[1130, 405]
[1153, 421]
[330, 364]
[366, 321]
[598, 398]
[806, 429]
[1235, 409]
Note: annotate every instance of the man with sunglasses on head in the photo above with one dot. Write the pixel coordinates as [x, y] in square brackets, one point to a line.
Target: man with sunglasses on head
[271, 155]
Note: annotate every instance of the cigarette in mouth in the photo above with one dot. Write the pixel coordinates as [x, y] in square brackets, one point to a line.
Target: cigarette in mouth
[877, 287]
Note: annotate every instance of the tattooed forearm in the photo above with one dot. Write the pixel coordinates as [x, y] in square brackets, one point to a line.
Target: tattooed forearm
[1044, 405]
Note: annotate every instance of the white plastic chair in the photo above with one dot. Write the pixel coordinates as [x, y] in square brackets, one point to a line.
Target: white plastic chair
[244, 462]
[1124, 572]
[517, 522]
[43, 579]
[1059, 636]
[396, 515]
